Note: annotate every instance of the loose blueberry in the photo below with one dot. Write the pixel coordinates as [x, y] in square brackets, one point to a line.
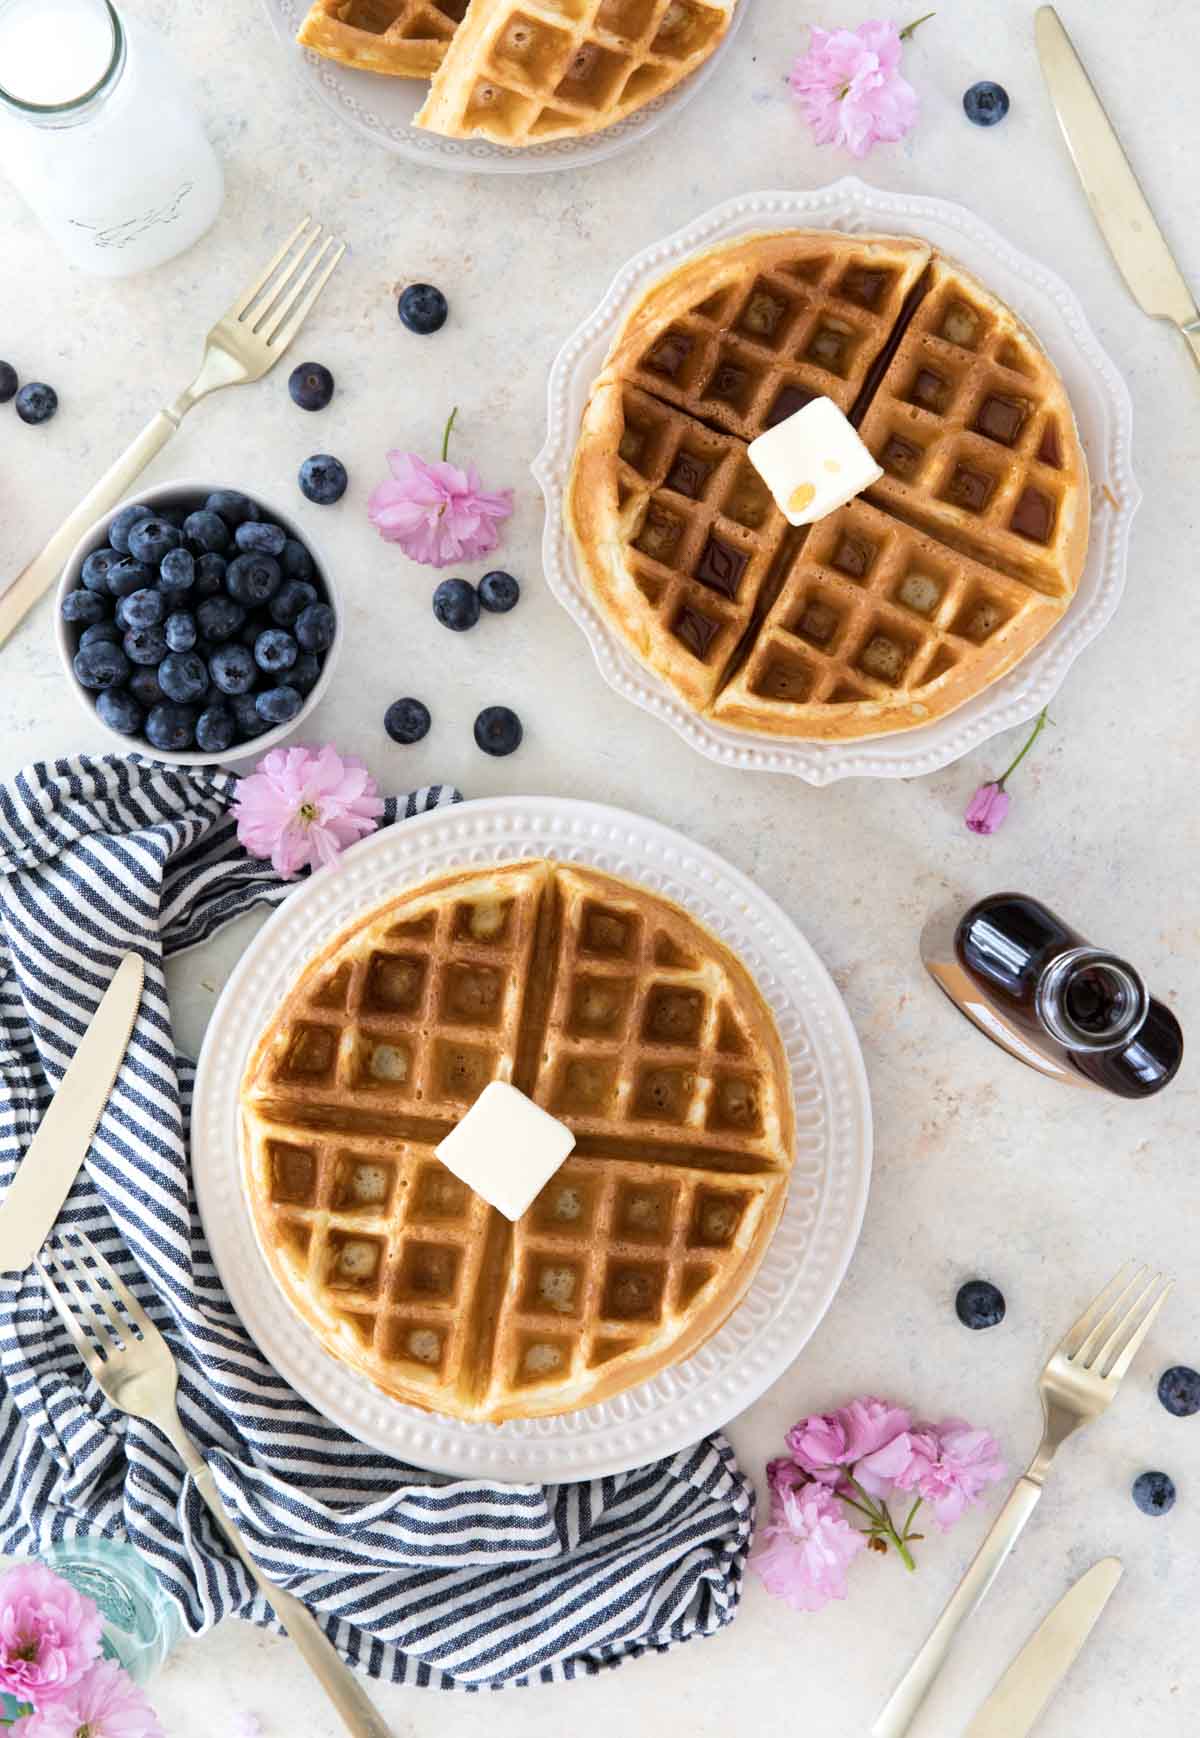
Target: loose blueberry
[101, 665]
[117, 708]
[311, 386]
[141, 609]
[290, 601]
[127, 575]
[95, 570]
[315, 627]
[423, 309]
[84, 606]
[169, 727]
[177, 570]
[986, 103]
[219, 618]
[246, 716]
[207, 530]
[123, 524]
[151, 539]
[145, 645]
[456, 605]
[1179, 1390]
[210, 575]
[183, 676]
[233, 669]
[252, 579]
[8, 381]
[323, 479]
[498, 730]
[216, 728]
[499, 592]
[275, 651]
[100, 631]
[144, 686]
[180, 630]
[36, 402]
[979, 1304]
[407, 720]
[279, 705]
[234, 507]
[296, 562]
[256, 537]
[1154, 1492]
[305, 673]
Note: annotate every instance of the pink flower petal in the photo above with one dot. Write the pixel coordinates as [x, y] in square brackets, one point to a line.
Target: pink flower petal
[303, 806]
[438, 513]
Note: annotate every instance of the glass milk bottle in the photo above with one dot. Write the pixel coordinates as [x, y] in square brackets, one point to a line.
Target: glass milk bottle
[99, 133]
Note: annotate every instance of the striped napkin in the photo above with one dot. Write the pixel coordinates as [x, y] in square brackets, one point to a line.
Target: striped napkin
[451, 1584]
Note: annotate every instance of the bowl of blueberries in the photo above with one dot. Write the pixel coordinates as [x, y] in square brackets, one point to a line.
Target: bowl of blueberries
[198, 623]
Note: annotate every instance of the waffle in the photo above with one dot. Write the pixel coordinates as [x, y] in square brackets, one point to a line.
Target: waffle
[527, 73]
[619, 1014]
[898, 608]
[400, 38]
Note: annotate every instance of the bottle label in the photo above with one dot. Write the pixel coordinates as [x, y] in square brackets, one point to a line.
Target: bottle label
[121, 234]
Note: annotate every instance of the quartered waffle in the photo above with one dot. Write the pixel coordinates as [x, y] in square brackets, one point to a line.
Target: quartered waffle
[624, 1018]
[401, 38]
[903, 605]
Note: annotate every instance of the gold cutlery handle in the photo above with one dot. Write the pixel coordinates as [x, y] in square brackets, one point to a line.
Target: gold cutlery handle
[915, 1685]
[43, 571]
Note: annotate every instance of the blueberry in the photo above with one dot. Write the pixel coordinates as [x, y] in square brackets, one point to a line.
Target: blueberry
[257, 537]
[207, 530]
[216, 728]
[123, 524]
[233, 669]
[100, 631]
[311, 385]
[246, 717]
[151, 538]
[986, 103]
[1154, 1493]
[180, 631]
[499, 592]
[305, 673]
[127, 575]
[8, 381]
[979, 1304]
[407, 720]
[101, 665]
[275, 651]
[210, 575]
[297, 563]
[315, 627]
[95, 570]
[141, 609]
[323, 479]
[234, 507]
[171, 727]
[219, 618]
[117, 708]
[422, 309]
[252, 579]
[1179, 1390]
[279, 705]
[290, 601]
[145, 687]
[84, 606]
[183, 676]
[177, 570]
[145, 645]
[456, 605]
[36, 402]
[498, 730]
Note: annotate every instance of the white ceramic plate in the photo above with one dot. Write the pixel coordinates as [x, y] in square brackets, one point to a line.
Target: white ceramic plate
[383, 108]
[1102, 409]
[812, 1244]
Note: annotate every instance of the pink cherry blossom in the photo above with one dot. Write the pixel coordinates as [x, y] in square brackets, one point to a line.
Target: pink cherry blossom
[304, 806]
[104, 1704]
[828, 1441]
[949, 1467]
[49, 1634]
[803, 1553]
[987, 809]
[851, 88]
[437, 513]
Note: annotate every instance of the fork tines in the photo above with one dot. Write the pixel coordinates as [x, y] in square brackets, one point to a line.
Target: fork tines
[92, 1317]
[290, 285]
[1106, 1338]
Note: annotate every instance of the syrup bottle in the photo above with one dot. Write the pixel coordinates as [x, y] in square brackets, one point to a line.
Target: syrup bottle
[1072, 1011]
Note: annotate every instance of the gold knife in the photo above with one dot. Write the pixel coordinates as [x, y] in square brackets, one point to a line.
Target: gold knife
[1015, 1705]
[1114, 193]
[51, 1164]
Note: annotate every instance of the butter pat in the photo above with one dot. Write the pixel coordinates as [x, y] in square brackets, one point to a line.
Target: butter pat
[506, 1148]
[813, 462]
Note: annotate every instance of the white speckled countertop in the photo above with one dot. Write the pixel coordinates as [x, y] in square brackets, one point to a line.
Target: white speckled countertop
[980, 1166]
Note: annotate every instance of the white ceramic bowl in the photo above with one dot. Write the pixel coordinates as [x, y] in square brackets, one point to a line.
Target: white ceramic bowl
[160, 499]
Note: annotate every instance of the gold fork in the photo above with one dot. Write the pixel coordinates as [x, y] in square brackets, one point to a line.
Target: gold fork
[1080, 1382]
[134, 1367]
[246, 343]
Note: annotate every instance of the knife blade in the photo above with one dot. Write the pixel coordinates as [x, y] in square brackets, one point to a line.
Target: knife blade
[1114, 193]
[58, 1149]
[1015, 1704]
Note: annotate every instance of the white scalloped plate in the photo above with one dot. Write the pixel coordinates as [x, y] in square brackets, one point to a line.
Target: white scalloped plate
[382, 110]
[1102, 409]
[807, 1256]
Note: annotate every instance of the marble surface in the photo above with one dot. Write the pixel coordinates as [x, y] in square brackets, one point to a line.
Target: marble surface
[980, 1166]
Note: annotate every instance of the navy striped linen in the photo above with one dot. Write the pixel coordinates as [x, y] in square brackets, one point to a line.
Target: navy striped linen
[459, 1584]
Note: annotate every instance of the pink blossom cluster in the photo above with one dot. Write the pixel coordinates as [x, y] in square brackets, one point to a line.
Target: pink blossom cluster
[851, 1463]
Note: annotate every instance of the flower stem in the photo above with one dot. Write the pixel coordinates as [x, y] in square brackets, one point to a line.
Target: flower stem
[446, 433]
[909, 28]
[883, 1523]
[1039, 724]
